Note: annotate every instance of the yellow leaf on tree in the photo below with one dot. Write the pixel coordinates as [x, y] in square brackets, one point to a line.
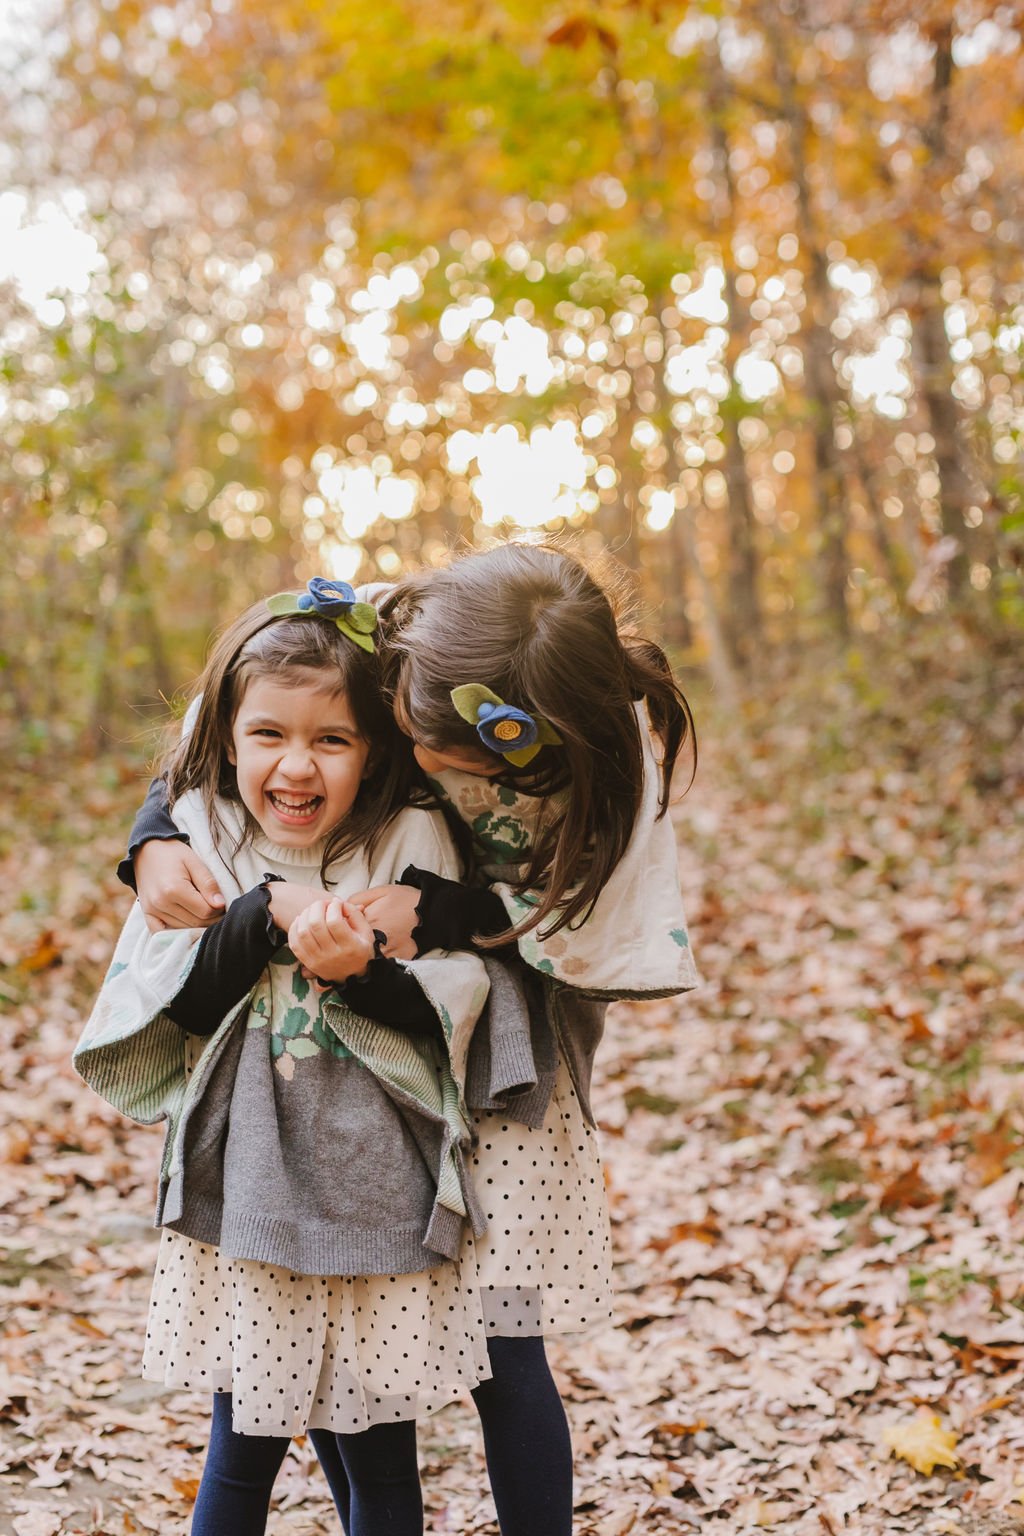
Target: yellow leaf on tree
[924, 1443]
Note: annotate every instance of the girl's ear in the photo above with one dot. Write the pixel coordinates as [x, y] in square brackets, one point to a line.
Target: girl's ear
[231, 754]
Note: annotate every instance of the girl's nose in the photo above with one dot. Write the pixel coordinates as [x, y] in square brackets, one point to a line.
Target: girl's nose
[297, 762]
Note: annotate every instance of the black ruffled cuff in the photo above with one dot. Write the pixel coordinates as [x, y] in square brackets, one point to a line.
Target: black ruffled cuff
[153, 823]
[389, 994]
[452, 916]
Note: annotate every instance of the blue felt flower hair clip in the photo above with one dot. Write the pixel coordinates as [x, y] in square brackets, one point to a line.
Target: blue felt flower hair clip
[330, 600]
[515, 734]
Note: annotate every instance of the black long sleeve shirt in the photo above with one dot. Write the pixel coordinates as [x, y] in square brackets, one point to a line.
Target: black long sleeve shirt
[234, 951]
[450, 915]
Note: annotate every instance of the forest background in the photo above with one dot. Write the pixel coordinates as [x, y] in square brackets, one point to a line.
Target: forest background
[732, 289]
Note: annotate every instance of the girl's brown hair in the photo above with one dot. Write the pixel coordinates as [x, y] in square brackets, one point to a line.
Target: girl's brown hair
[532, 624]
[257, 645]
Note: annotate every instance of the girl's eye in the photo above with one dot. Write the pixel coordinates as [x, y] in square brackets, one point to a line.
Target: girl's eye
[336, 741]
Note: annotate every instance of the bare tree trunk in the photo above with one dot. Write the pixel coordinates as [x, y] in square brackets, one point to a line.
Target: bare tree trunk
[822, 385]
[618, 519]
[159, 667]
[104, 691]
[723, 674]
[892, 556]
[931, 345]
[743, 622]
[678, 629]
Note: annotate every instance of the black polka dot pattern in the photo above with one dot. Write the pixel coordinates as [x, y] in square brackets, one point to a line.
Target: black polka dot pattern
[342, 1353]
[310, 1351]
[544, 1263]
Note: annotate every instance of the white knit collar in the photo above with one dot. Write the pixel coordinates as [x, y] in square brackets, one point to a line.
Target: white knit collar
[298, 858]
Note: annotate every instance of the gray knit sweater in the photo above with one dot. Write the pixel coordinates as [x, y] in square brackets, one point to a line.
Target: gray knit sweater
[299, 1133]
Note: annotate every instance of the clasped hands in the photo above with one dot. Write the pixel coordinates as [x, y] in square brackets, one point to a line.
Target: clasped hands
[333, 939]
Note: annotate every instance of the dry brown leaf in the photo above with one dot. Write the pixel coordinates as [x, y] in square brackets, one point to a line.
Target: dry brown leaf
[909, 1189]
[86, 1325]
[992, 1151]
[686, 1231]
[46, 1474]
[38, 1522]
[42, 956]
[764, 1512]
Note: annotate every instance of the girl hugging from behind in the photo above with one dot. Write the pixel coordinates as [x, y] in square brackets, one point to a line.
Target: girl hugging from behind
[551, 730]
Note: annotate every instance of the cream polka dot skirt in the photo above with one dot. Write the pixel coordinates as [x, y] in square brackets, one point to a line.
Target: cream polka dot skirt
[544, 1263]
[310, 1351]
[342, 1353]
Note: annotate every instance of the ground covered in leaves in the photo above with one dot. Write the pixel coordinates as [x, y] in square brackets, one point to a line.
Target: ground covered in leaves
[814, 1165]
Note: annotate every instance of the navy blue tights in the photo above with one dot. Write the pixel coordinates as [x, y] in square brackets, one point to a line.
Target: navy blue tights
[374, 1477]
[526, 1441]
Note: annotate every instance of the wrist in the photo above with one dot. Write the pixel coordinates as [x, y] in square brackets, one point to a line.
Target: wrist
[373, 961]
[342, 981]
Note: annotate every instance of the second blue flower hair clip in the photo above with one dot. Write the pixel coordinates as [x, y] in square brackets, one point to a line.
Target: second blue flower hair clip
[513, 733]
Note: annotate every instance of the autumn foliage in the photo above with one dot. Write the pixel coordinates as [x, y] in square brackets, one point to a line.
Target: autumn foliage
[732, 287]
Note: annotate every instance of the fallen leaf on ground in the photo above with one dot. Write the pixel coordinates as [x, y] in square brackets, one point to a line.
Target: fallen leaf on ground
[923, 1443]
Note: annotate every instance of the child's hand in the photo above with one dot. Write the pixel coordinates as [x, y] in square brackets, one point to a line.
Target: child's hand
[332, 939]
[289, 900]
[175, 888]
[392, 910]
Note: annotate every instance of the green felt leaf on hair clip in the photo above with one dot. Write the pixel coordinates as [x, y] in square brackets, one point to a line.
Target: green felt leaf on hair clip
[356, 624]
[524, 756]
[514, 733]
[546, 733]
[283, 603]
[357, 636]
[468, 698]
[363, 617]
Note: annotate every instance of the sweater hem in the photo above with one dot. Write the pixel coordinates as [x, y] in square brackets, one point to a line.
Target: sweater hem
[306, 1250]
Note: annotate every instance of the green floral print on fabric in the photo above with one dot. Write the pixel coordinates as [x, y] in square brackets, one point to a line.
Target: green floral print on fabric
[300, 1031]
[504, 836]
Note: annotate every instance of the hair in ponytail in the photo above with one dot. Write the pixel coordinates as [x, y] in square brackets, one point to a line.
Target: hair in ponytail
[532, 624]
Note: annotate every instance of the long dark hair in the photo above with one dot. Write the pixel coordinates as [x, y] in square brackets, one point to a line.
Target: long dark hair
[532, 624]
[258, 644]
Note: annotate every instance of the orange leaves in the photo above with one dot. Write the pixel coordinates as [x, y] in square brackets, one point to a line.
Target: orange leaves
[575, 31]
[45, 953]
[992, 1150]
[908, 1189]
[86, 1326]
[706, 1231]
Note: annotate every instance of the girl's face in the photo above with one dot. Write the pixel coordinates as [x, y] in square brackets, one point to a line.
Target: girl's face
[482, 764]
[464, 762]
[298, 758]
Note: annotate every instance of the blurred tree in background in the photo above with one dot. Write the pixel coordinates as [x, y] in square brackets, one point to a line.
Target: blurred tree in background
[732, 287]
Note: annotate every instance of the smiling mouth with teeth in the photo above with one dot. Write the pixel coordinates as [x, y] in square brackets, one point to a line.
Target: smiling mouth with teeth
[291, 805]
